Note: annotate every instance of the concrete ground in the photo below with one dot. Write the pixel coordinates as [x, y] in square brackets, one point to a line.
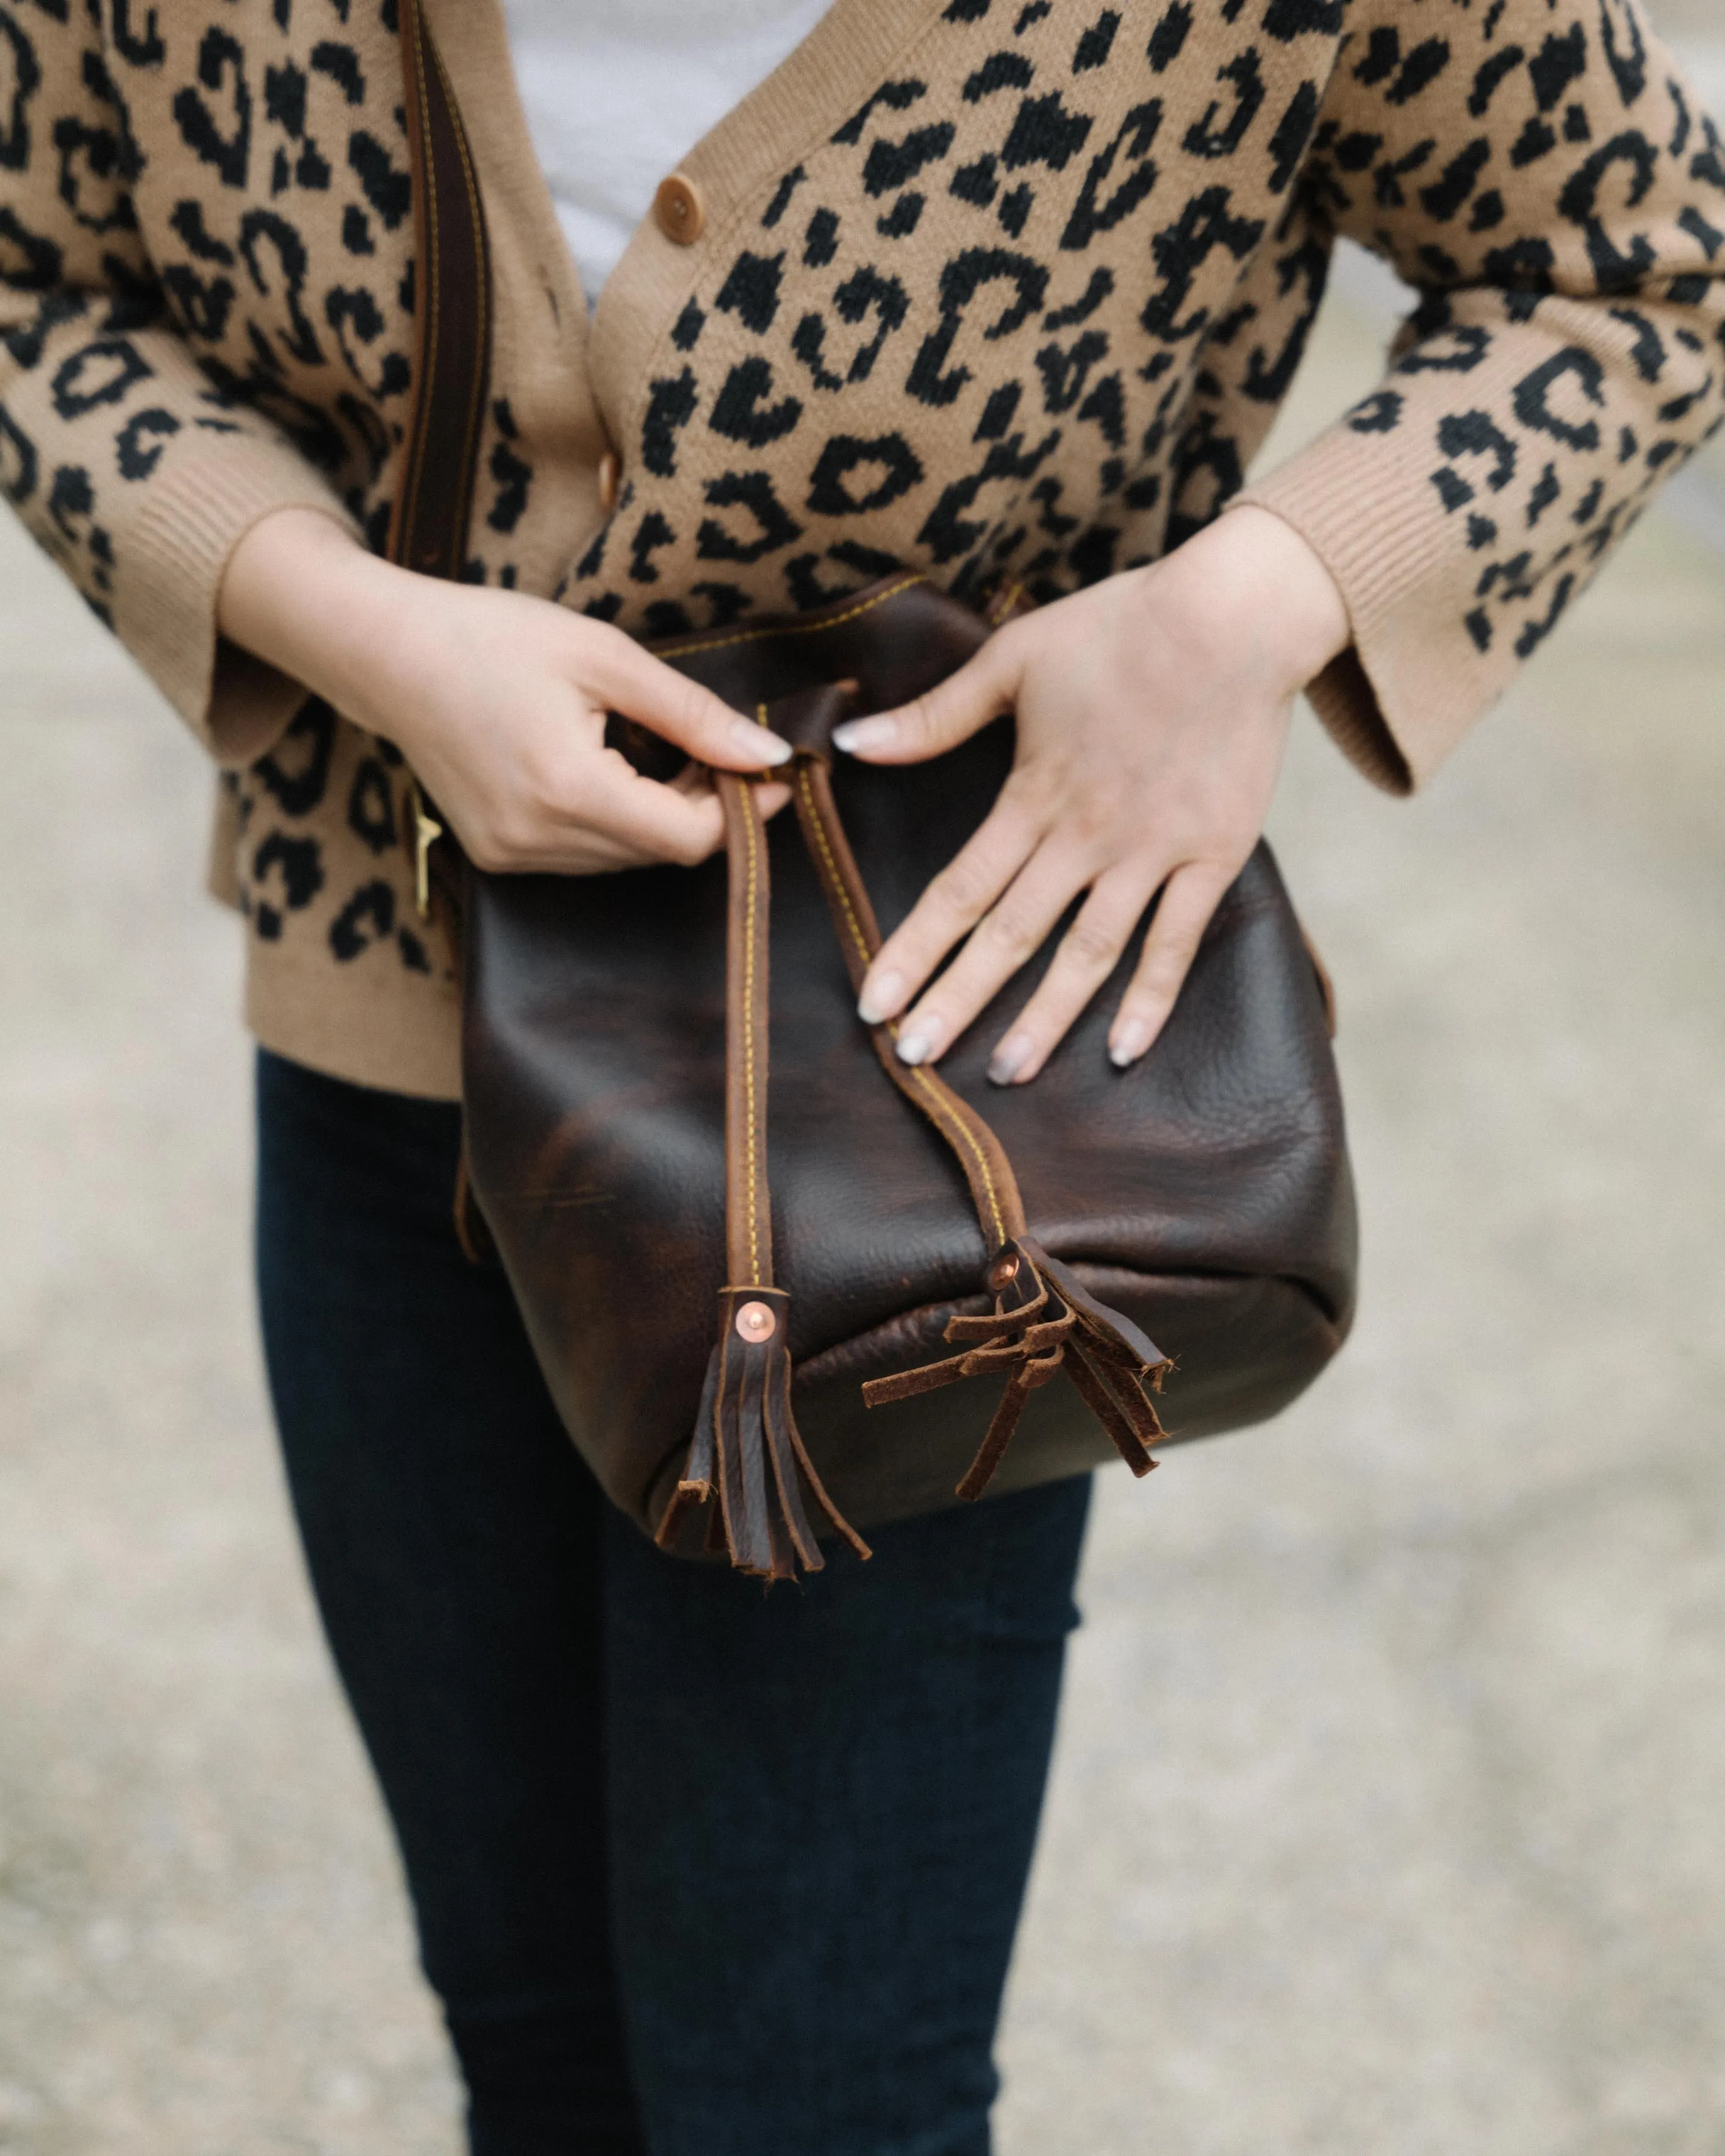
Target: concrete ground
[1387, 1811]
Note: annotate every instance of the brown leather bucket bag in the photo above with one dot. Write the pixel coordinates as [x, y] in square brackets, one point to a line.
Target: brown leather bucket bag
[782, 1286]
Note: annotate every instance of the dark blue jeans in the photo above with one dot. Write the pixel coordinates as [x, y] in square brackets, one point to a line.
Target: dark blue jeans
[697, 1869]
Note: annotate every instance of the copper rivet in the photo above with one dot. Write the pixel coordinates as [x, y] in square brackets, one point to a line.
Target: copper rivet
[610, 481]
[755, 1322]
[678, 210]
[1003, 1271]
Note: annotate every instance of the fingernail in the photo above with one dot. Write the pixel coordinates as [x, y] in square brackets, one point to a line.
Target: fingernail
[1009, 1058]
[756, 742]
[878, 732]
[880, 999]
[918, 1040]
[1129, 1043]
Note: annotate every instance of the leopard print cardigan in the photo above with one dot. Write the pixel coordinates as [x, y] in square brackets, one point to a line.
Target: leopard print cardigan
[996, 289]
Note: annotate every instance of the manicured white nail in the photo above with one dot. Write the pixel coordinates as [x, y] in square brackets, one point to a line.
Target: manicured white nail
[756, 742]
[1009, 1058]
[878, 732]
[1129, 1043]
[880, 999]
[918, 1040]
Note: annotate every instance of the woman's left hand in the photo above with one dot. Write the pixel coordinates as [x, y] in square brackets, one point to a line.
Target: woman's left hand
[1152, 712]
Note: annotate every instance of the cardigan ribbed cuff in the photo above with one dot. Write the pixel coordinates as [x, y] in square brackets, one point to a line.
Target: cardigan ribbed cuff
[1416, 679]
[206, 496]
[1400, 699]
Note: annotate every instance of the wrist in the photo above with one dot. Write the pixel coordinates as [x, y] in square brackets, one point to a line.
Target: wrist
[303, 594]
[1264, 590]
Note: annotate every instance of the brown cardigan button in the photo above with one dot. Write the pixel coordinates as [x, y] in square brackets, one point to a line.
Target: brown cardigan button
[678, 210]
[610, 481]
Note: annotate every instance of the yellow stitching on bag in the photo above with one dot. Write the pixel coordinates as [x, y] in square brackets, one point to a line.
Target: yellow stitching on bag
[927, 1085]
[831, 866]
[942, 1111]
[795, 629]
[751, 915]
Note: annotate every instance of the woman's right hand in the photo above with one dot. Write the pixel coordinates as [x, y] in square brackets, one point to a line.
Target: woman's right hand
[497, 700]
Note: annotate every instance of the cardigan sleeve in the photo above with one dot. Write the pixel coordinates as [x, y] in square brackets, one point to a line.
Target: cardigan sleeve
[129, 465]
[1540, 171]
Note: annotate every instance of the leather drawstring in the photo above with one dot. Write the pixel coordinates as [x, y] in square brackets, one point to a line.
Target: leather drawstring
[747, 1452]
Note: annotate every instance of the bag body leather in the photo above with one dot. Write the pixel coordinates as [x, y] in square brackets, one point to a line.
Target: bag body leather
[1204, 1192]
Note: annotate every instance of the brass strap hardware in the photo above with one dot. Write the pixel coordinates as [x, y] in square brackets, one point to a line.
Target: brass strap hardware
[426, 831]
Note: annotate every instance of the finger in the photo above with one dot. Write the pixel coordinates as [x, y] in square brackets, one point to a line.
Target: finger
[632, 682]
[640, 817]
[1012, 932]
[1088, 953]
[655, 823]
[696, 781]
[952, 905]
[587, 852]
[963, 703]
[1188, 899]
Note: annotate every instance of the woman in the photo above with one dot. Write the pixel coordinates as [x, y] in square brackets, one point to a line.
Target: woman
[1007, 292]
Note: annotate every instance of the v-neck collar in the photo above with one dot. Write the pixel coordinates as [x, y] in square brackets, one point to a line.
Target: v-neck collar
[811, 93]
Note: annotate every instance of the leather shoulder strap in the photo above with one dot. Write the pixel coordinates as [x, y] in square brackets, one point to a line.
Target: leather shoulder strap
[453, 305]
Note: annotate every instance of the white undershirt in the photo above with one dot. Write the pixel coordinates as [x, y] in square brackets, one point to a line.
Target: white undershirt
[617, 91]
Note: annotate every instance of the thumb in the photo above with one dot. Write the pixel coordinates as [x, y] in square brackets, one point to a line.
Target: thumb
[963, 703]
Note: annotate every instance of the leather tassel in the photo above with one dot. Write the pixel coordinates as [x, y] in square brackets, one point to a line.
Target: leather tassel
[747, 1459]
[695, 1485]
[1043, 1321]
